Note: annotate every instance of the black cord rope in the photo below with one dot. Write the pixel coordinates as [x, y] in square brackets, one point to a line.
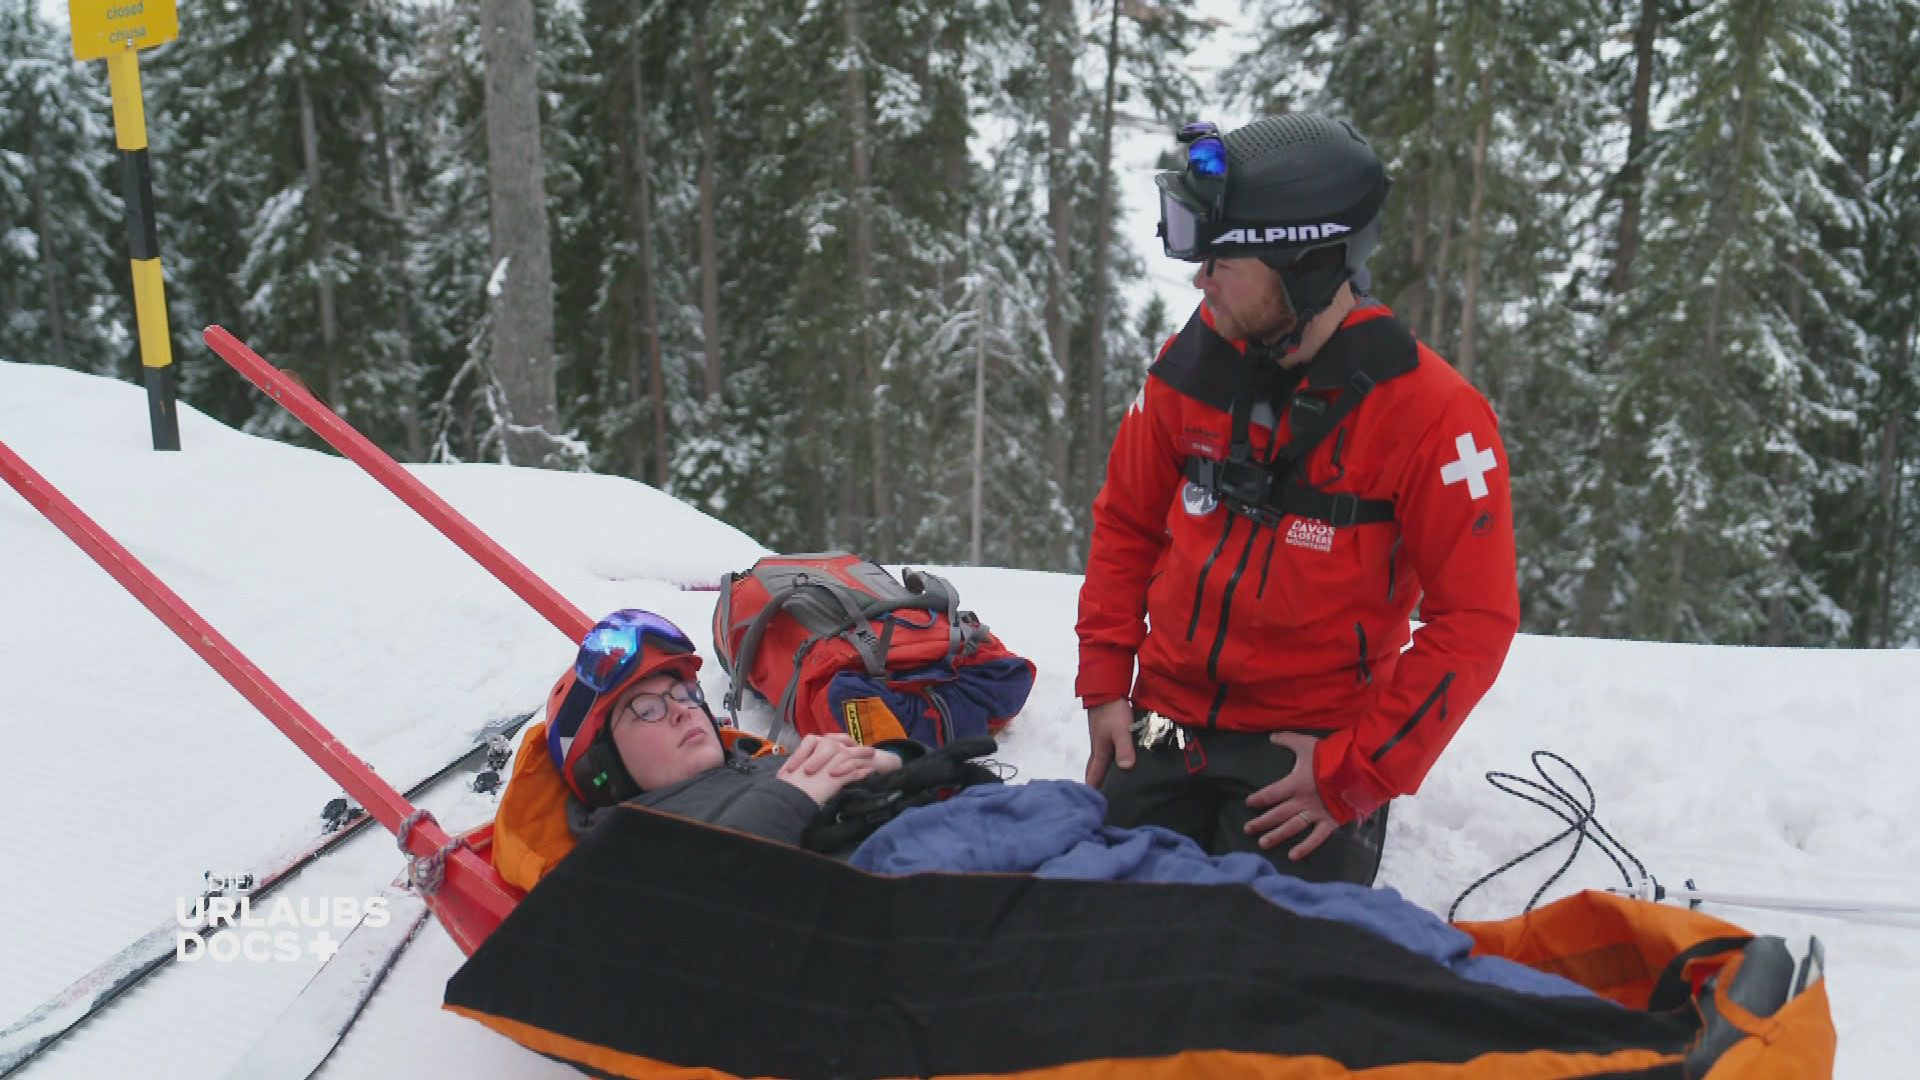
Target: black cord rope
[1583, 825]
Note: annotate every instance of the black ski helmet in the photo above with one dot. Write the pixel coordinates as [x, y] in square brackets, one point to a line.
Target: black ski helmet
[1302, 193]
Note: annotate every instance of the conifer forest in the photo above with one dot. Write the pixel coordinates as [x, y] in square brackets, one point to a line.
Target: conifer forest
[854, 273]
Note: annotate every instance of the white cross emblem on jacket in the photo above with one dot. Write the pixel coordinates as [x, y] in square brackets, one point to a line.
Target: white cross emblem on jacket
[1473, 466]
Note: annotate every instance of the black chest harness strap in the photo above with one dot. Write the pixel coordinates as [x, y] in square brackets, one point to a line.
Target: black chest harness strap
[1205, 367]
[1266, 491]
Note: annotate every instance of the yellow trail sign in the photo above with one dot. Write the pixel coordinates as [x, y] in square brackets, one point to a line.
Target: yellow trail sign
[101, 27]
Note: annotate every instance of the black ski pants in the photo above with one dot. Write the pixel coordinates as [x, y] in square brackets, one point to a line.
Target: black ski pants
[1200, 791]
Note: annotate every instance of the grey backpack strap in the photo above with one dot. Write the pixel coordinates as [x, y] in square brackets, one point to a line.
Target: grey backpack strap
[723, 624]
[859, 631]
[945, 600]
[784, 711]
[749, 645]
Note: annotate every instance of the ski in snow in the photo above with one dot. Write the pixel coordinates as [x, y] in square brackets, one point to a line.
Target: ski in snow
[27, 1037]
[304, 1036]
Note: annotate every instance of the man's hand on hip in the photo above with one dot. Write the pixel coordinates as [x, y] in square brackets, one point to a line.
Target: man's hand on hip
[1292, 803]
[1109, 738]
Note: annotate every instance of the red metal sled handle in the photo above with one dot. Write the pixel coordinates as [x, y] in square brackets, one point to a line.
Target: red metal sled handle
[468, 877]
[341, 435]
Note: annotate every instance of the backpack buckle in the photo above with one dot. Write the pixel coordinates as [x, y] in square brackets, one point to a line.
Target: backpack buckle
[872, 650]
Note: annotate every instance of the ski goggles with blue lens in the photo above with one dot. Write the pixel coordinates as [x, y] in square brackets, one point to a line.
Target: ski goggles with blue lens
[1206, 150]
[615, 644]
[1183, 222]
[610, 653]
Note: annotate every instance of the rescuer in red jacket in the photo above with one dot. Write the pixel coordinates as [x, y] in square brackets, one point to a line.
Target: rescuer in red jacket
[1296, 477]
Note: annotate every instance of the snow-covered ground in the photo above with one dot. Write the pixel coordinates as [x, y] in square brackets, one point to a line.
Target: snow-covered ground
[132, 768]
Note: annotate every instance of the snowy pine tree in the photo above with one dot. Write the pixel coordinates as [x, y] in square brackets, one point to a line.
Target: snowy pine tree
[1674, 245]
[1857, 546]
[65, 295]
[278, 165]
[1715, 396]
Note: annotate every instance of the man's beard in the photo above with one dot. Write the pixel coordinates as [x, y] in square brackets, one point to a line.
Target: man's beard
[1286, 326]
[1270, 321]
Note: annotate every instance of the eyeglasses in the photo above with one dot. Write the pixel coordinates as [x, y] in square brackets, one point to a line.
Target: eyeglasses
[653, 707]
[608, 655]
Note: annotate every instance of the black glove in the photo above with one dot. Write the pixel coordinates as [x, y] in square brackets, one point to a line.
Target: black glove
[863, 806]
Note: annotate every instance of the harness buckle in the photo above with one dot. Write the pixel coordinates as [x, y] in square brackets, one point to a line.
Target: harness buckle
[1345, 511]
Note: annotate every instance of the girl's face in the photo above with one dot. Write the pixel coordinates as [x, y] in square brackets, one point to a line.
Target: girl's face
[662, 739]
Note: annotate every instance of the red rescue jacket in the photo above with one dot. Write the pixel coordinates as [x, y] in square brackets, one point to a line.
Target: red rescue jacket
[1301, 625]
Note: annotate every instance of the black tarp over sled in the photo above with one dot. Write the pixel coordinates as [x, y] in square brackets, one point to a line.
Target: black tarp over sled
[661, 945]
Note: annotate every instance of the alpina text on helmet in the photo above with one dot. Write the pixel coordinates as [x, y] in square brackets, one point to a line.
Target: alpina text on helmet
[1274, 234]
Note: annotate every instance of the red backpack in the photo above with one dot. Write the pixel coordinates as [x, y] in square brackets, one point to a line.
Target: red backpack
[839, 645]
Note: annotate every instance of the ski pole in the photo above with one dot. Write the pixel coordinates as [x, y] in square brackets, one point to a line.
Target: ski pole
[1891, 912]
[471, 899]
[343, 437]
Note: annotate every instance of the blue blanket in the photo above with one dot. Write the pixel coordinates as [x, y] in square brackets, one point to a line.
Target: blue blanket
[1053, 828]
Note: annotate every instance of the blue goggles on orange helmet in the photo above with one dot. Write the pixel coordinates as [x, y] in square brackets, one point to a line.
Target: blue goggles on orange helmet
[626, 645]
